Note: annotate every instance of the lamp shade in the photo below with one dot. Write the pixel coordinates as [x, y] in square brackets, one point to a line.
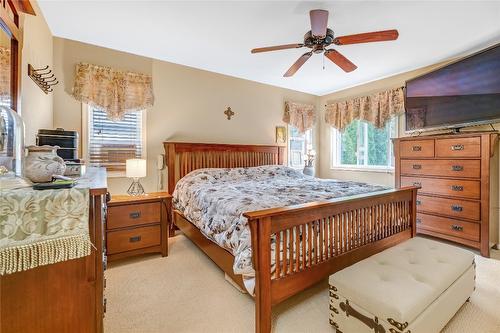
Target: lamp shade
[136, 168]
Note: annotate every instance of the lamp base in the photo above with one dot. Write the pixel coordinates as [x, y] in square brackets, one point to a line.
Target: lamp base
[135, 188]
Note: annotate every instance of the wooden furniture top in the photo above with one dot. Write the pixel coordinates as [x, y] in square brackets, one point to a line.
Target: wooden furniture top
[494, 138]
[121, 199]
[195, 146]
[184, 157]
[342, 203]
[445, 135]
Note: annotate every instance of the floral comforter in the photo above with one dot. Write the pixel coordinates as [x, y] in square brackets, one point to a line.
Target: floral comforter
[215, 200]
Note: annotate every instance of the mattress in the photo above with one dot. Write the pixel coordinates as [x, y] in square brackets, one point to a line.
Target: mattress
[214, 200]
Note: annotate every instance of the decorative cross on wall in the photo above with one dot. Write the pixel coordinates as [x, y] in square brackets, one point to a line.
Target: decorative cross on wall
[229, 113]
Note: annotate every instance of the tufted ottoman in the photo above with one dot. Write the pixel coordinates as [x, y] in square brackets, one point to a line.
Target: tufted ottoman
[416, 286]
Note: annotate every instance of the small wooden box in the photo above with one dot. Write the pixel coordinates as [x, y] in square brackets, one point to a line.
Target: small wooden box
[137, 225]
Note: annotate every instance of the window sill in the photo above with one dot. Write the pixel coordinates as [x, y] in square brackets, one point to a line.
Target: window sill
[363, 169]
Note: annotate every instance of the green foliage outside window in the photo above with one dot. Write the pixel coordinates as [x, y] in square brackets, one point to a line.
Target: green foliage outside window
[349, 143]
[363, 144]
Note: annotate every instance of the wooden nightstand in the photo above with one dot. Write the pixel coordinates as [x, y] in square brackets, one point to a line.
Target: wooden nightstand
[137, 225]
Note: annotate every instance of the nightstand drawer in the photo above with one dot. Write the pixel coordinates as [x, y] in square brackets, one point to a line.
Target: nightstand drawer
[133, 239]
[133, 215]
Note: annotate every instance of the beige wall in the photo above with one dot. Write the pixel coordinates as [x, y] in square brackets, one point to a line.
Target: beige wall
[36, 106]
[189, 103]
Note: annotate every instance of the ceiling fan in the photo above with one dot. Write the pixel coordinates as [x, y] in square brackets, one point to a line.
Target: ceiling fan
[320, 37]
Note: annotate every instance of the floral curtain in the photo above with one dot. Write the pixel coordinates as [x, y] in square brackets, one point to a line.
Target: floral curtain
[376, 108]
[116, 92]
[300, 116]
[4, 72]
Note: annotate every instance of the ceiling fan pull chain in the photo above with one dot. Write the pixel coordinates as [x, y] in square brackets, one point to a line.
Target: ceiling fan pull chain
[323, 61]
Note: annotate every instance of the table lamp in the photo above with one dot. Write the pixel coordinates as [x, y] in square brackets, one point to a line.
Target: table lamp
[135, 169]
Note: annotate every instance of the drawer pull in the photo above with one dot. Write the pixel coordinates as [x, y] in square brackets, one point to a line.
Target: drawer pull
[419, 221]
[135, 215]
[418, 202]
[416, 148]
[457, 188]
[457, 168]
[457, 147]
[417, 166]
[457, 208]
[135, 239]
[457, 227]
[417, 184]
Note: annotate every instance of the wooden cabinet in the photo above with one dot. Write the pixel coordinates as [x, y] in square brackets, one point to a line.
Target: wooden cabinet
[458, 196]
[63, 297]
[137, 225]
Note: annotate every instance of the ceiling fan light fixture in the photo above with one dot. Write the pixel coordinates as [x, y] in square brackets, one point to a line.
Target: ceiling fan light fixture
[320, 37]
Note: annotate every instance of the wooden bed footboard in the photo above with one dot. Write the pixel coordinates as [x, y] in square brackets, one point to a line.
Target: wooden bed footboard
[295, 247]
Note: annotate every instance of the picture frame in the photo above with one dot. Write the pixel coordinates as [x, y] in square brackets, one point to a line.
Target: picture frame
[280, 134]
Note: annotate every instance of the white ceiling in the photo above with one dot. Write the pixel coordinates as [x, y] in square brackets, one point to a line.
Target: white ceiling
[218, 35]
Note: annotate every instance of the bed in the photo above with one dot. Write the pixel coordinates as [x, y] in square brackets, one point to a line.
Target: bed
[291, 247]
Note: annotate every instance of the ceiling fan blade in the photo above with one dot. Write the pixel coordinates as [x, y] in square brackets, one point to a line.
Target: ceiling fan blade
[277, 47]
[296, 66]
[341, 61]
[377, 36]
[319, 22]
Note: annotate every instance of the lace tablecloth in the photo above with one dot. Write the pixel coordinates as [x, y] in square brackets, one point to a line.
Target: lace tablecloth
[42, 227]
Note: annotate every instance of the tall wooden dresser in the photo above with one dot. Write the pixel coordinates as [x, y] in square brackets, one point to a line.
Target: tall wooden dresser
[63, 297]
[458, 199]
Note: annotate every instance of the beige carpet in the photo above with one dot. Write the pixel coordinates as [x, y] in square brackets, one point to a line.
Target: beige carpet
[186, 292]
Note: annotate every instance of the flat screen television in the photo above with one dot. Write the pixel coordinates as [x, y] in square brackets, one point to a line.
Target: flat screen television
[464, 93]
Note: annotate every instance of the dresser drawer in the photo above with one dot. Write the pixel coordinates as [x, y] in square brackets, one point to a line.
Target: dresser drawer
[470, 189]
[447, 168]
[133, 215]
[416, 148]
[132, 239]
[447, 226]
[449, 207]
[460, 147]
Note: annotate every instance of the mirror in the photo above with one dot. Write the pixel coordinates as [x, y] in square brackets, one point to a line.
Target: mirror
[5, 69]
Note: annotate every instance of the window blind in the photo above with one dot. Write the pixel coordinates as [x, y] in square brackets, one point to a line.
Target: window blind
[111, 143]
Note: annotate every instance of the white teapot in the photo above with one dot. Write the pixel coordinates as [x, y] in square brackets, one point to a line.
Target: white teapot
[42, 163]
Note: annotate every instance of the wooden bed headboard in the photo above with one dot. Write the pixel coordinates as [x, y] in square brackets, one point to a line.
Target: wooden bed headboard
[184, 157]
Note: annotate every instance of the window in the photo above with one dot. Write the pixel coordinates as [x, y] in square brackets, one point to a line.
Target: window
[362, 145]
[298, 144]
[110, 143]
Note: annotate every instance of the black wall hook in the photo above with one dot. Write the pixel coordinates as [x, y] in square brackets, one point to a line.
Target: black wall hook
[43, 77]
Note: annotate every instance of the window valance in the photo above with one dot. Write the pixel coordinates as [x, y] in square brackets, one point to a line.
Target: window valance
[300, 116]
[116, 92]
[4, 72]
[376, 108]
